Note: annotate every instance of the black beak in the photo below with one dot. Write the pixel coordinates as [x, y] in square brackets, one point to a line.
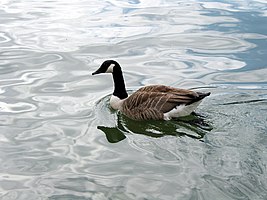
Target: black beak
[96, 72]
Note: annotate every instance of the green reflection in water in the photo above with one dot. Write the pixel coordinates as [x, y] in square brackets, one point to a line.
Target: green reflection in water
[194, 126]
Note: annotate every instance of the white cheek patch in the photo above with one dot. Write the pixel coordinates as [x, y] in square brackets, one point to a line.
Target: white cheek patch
[110, 68]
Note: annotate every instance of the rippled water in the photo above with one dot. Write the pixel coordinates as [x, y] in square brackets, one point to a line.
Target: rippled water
[60, 140]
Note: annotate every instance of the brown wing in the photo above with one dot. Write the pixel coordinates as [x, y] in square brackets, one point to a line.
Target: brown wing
[152, 102]
[169, 90]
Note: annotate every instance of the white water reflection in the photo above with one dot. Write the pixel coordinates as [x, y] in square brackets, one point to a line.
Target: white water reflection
[68, 26]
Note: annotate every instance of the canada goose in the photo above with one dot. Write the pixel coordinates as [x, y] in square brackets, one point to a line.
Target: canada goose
[157, 102]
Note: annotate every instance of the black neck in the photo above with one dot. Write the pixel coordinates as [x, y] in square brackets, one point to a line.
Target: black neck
[119, 85]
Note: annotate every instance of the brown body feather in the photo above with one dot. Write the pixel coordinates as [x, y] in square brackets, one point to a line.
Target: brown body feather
[151, 102]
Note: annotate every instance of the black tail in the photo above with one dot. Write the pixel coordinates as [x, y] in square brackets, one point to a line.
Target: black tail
[202, 95]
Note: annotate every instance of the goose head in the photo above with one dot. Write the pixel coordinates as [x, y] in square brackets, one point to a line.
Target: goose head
[107, 66]
[113, 67]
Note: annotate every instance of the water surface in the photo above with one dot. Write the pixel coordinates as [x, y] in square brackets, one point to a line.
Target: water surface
[59, 139]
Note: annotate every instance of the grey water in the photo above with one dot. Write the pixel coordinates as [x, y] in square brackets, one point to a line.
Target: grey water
[59, 139]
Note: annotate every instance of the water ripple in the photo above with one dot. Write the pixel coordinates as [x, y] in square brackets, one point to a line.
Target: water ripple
[4, 38]
[19, 107]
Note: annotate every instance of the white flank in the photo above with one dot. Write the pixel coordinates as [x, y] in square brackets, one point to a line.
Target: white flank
[115, 102]
[181, 111]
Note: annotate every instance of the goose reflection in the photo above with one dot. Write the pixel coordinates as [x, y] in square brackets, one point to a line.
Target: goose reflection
[193, 126]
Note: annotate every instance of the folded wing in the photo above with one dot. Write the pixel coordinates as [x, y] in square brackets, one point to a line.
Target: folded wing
[151, 102]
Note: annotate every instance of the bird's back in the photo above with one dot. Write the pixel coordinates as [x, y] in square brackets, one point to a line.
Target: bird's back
[151, 102]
